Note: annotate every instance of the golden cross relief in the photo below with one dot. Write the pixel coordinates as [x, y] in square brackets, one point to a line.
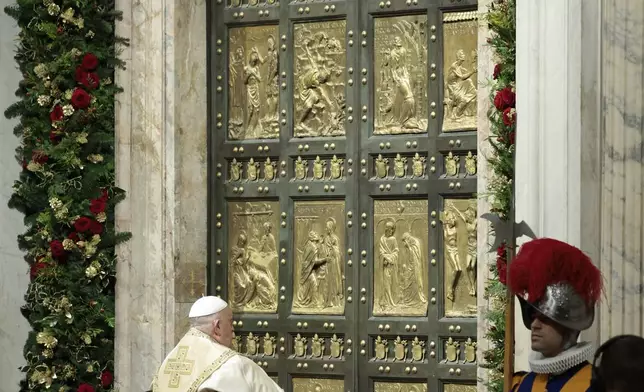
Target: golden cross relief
[179, 366]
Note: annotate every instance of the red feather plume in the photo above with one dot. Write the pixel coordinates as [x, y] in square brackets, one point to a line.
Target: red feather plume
[547, 261]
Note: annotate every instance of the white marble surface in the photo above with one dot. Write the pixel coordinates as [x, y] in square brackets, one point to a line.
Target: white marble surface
[622, 205]
[14, 276]
[485, 68]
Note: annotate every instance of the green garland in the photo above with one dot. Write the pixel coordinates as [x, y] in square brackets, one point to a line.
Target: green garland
[502, 116]
[67, 54]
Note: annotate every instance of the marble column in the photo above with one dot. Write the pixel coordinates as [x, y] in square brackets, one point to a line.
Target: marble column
[622, 168]
[579, 142]
[161, 163]
[556, 138]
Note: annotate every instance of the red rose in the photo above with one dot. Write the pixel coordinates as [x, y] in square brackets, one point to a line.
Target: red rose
[96, 227]
[82, 224]
[512, 138]
[96, 206]
[106, 378]
[36, 268]
[90, 80]
[90, 62]
[57, 250]
[56, 113]
[504, 99]
[73, 236]
[497, 71]
[502, 270]
[39, 157]
[85, 388]
[500, 251]
[79, 74]
[80, 98]
[509, 116]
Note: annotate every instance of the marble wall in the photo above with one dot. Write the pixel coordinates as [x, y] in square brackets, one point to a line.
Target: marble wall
[161, 163]
[621, 235]
[579, 142]
[14, 276]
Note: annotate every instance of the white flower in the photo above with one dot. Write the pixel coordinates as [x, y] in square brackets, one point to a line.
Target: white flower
[34, 167]
[107, 81]
[40, 70]
[101, 217]
[82, 138]
[90, 34]
[61, 213]
[95, 158]
[91, 272]
[68, 94]
[80, 23]
[55, 203]
[68, 244]
[44, 100]
[53, 9]
[76, 52]
[68, 15]
[68, 110]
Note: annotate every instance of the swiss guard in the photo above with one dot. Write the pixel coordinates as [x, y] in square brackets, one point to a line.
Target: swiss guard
[558, 287]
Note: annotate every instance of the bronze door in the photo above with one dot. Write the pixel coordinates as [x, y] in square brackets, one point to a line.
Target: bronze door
[342, 208]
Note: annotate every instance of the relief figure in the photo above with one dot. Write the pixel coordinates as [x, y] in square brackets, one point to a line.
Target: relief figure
[319, 87]
[460, 91]
[401, 77]
[460, 37]
[252, 82]
[319, 248]
[400, 270]
[253, 283]
[252, 256]
[459, 219]
[388, 247]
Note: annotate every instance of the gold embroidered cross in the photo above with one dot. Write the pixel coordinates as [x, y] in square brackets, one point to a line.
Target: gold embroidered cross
[179, 366]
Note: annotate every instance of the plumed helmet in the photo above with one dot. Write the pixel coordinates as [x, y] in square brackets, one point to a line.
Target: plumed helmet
[557, 280]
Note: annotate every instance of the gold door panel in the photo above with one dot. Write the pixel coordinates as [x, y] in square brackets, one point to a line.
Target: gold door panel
[319, 277]
[253, 79]
[317, 385]
[399, 387]
[400, 55]
[460, 37]
[320, 60]
[459, 220]
[252, 256]
[400, 250]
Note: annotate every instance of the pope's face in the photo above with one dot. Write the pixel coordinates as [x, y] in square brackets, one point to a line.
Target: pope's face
[223, 328]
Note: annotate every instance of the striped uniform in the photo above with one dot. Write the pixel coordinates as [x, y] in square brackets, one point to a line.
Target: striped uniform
[576, 379]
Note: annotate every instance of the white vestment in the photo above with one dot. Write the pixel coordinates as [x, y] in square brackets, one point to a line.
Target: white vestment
[240, 374]
[198, 363]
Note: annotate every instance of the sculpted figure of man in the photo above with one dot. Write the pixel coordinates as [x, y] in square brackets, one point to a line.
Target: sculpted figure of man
[203, 361]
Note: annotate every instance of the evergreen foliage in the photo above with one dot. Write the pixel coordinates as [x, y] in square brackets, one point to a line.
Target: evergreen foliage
[67, 54]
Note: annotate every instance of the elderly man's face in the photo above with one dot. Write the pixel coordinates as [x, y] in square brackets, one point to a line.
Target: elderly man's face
[223, 328]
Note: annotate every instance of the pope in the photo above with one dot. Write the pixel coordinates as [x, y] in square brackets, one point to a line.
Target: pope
[558, 287]
[203, 359]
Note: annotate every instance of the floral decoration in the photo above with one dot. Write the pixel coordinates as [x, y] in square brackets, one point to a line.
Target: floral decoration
[67, 54]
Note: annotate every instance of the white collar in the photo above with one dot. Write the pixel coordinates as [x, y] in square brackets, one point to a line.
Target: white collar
[567, 359]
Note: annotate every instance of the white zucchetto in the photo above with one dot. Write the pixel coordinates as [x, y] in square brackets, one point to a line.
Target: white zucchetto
[205, 306]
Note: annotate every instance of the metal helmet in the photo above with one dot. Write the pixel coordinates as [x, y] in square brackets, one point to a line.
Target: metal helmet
[557, 280]
[561, 304]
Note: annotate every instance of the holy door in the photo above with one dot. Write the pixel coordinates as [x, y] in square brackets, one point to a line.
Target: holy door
[343, 178]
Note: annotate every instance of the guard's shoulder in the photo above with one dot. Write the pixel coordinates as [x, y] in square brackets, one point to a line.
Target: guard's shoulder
[517, 378]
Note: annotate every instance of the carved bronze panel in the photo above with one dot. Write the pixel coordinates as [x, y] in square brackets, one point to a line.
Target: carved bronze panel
[253, 84]
[252, 256]
[318, 276]
[400, 55]
[459, 388]
[301, 384]
[400, 275]
[459, 219]
[320, 61]
[399, 386]
[460, 35]
[319, 168]
[251, 3]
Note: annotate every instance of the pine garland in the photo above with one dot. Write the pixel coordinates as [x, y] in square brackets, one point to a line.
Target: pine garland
[67, 54]
[502, 116]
